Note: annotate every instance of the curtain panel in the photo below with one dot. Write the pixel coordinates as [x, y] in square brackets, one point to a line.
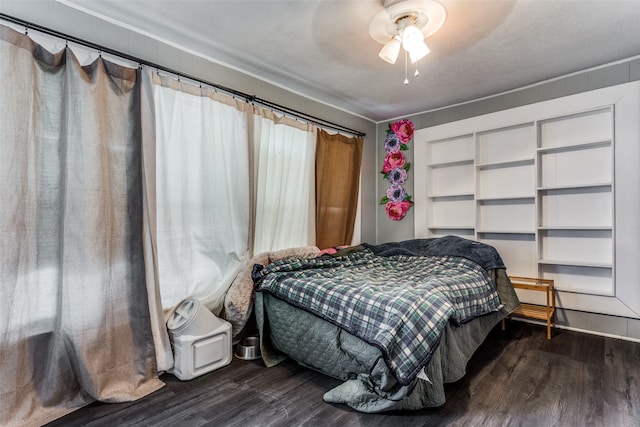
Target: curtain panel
[75, 322]
[338, 160]
[200, 183]
[162, 344]
[284, 182]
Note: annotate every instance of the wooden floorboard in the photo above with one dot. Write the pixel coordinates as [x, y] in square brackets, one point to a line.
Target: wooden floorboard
[622, 383]
[517, 378]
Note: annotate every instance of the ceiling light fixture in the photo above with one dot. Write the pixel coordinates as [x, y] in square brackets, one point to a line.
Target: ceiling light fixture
[406, 23]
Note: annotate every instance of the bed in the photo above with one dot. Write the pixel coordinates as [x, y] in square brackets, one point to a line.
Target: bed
[395, 321]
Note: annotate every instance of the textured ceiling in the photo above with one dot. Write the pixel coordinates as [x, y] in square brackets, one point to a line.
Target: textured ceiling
[322, 49]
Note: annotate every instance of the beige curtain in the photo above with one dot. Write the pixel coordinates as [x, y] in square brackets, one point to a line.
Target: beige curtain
[338, 160]
[74, 323]
[162, 344]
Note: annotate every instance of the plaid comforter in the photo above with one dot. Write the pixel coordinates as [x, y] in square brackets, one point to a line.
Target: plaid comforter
[398, 303]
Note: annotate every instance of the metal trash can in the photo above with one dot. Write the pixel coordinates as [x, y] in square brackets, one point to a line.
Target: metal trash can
[201, 341]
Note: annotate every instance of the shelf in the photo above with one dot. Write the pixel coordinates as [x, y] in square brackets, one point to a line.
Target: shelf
[580, 279]
[541, 191]
[541, 312]
[505, 145]
[573, 147]
[531, 310]
[468, 196]
[450, 164]
[454, 149]
[451, 227]
[506, 164]
[506, 232]
[576, 186]
[505, 198]
[576, 263]
[577, 227]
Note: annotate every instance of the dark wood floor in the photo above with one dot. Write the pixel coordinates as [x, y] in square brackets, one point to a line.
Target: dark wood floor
[514, 379]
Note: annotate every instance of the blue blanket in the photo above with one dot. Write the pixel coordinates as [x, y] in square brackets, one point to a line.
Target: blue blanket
[399, 303]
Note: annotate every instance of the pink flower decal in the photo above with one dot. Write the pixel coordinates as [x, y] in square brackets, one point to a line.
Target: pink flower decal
[397, 210]
[403, 129]
[392, 161]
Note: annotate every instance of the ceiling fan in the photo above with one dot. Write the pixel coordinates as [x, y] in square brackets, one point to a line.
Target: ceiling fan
[406, 23]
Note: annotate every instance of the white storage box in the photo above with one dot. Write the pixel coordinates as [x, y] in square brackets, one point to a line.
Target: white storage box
[201, 342]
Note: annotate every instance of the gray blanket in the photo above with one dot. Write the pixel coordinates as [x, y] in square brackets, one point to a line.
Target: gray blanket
[369, 385]
[398, 303]
[480, 253]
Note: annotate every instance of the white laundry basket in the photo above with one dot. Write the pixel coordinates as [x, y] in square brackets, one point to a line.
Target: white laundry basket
[201, 342]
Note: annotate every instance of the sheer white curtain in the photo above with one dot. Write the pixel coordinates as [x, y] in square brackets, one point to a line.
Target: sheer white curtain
[202, 192]
[284, 176]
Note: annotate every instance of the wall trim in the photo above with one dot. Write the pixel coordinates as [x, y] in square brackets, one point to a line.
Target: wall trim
[574, 329]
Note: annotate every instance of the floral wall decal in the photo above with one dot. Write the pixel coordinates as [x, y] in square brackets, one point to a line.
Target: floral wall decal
[396, 200]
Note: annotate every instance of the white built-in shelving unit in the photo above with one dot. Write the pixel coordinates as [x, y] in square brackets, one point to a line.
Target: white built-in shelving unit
[575, 200]
[451, 186]
[540, 183]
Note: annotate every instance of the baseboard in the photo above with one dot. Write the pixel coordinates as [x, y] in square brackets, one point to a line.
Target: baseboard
[626, 337]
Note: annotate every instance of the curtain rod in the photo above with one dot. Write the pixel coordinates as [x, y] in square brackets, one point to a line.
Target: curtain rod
[247, 97]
